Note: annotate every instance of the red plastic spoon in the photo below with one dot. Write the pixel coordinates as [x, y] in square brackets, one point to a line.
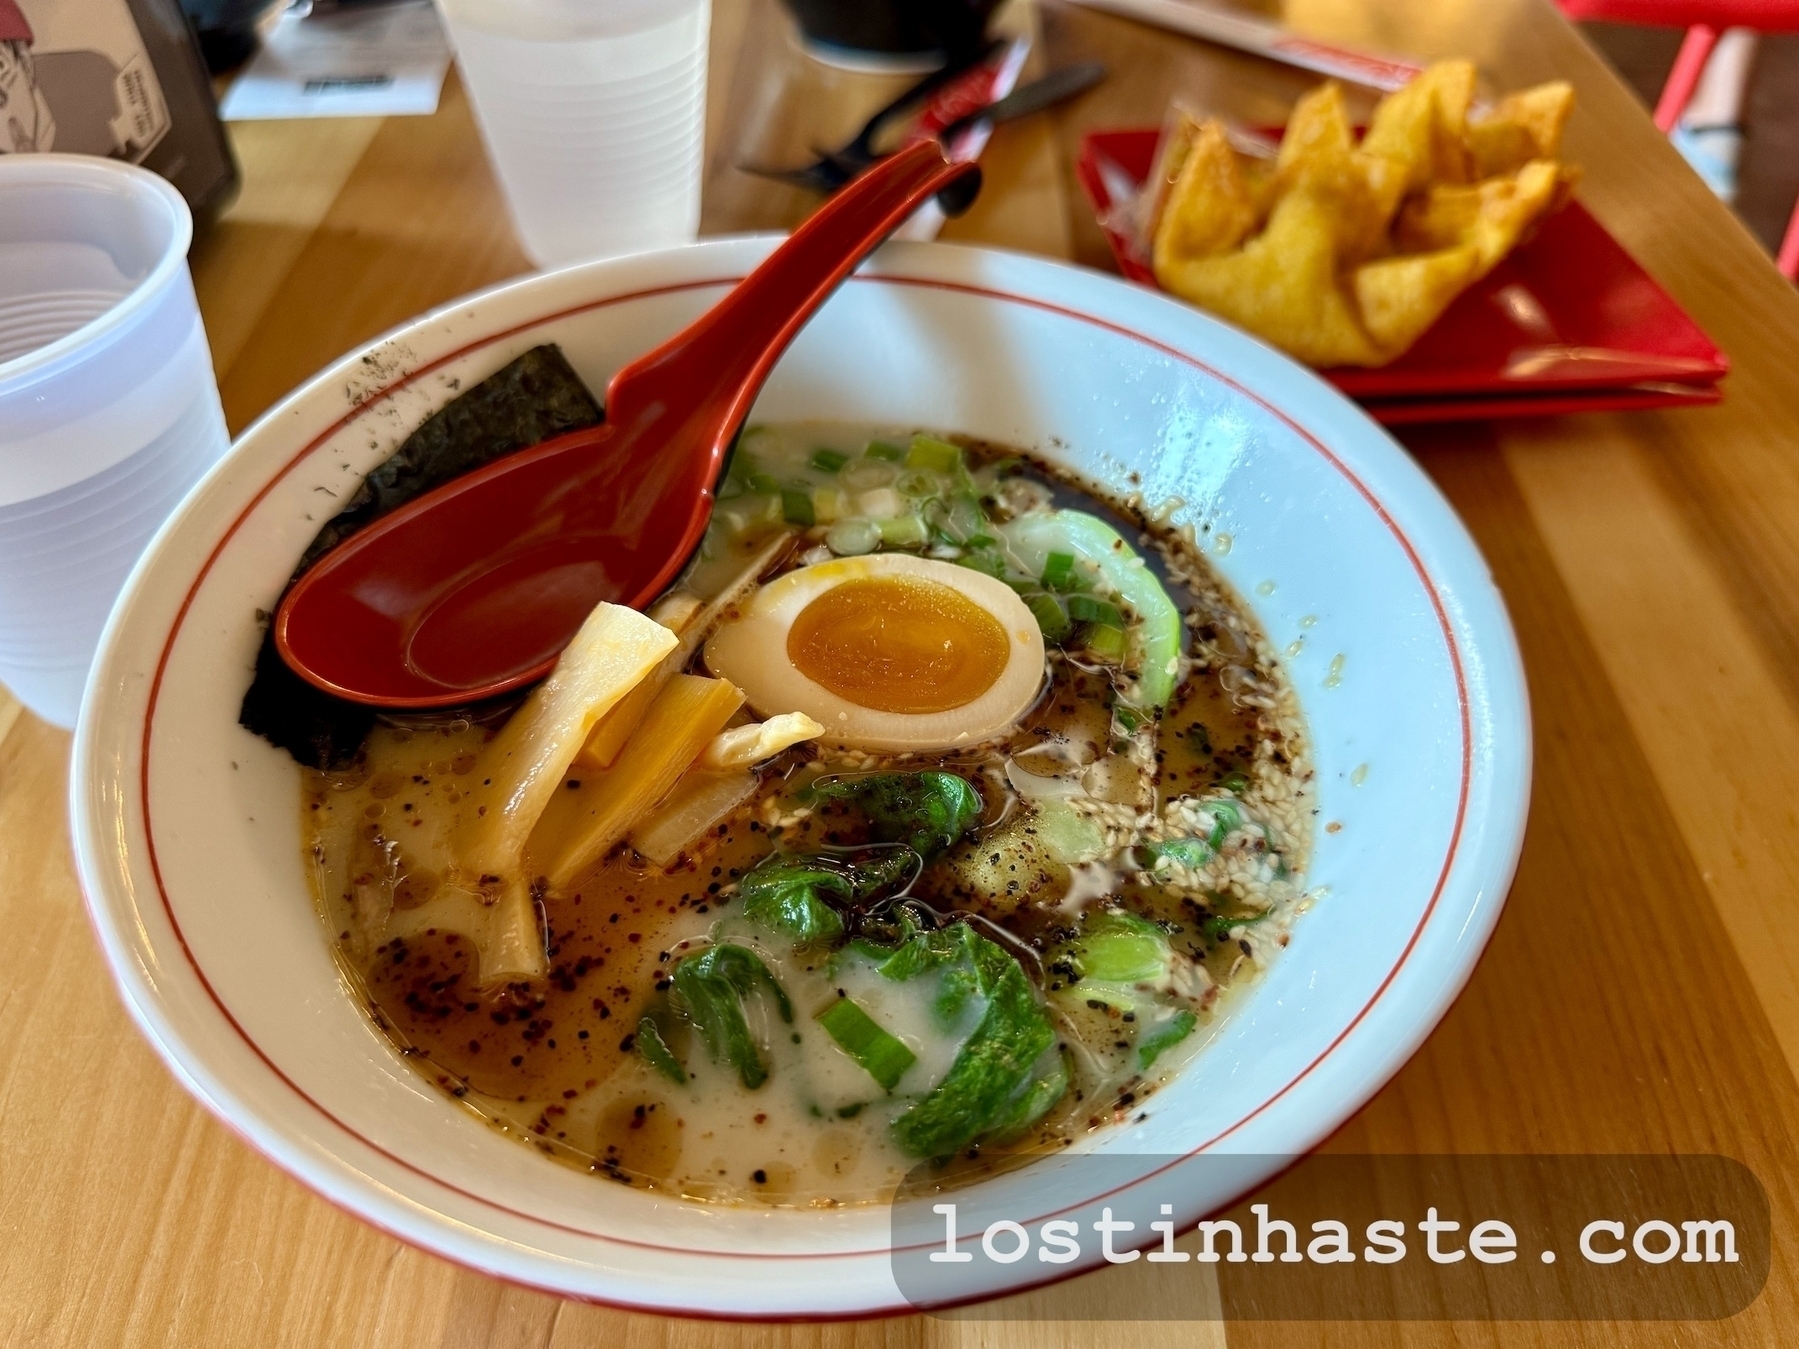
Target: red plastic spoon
[475, 588]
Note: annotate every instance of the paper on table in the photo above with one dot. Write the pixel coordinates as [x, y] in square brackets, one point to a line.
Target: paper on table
[369, 61]
[1251, 33]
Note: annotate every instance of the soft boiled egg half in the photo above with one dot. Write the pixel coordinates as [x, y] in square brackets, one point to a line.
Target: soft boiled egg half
[887, 651]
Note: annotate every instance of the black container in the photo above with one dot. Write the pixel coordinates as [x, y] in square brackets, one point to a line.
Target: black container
[954, 28]
[195, 156]
[227, 29]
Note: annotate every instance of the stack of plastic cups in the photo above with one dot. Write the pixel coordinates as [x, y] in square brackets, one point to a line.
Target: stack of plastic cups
[108, 409]
[594, 116]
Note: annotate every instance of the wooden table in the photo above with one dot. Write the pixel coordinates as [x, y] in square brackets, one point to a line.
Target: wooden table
[1641, 993]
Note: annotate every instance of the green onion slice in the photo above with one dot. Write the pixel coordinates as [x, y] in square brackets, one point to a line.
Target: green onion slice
[939, 456]
[796, 508]
[859, 1035]
[1104, 640]
[903, 531]
[1087, 609]
[1050, 618]
[988, 564]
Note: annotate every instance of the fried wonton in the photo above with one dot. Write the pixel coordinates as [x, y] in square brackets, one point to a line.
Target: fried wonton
[1365, 244]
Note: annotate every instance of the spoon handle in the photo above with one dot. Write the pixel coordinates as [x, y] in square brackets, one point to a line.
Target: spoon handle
[715, 367]
[474, 588]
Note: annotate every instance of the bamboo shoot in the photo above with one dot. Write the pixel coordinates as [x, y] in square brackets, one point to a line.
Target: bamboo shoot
[520, 769]
[579, 827]
[742, 746]
[698, 802]
[693, 621]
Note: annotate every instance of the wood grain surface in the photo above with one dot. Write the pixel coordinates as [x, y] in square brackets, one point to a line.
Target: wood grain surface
[1641, 993]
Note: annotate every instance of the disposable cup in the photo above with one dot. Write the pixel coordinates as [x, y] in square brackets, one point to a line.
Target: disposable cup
[593, 112]
[108, 409]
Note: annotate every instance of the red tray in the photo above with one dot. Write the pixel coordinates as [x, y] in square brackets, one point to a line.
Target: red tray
[1568, 322]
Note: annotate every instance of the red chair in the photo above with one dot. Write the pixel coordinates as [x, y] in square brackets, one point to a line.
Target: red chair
[1704, 20]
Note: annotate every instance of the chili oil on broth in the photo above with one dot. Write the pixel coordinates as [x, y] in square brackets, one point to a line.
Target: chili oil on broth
[555, 1064]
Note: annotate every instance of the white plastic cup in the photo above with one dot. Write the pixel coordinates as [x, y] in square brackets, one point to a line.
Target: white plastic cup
[594, 115]
[108, 409]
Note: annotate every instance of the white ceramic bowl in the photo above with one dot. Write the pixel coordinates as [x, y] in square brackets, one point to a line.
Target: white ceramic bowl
[187, 827]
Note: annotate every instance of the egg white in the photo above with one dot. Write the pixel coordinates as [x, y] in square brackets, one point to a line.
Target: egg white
[751, 652]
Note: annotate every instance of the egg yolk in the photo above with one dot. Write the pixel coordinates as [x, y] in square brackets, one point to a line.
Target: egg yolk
[899, 644]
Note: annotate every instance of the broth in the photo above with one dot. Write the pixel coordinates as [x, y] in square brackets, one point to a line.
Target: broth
[1179, 838]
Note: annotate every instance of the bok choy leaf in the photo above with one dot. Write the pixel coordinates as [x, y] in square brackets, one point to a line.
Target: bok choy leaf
[1119, 947]
[926, 811]
[654, 1050]
[712, 987]
[1154, 1039]
[801, 897]
[994, 1082]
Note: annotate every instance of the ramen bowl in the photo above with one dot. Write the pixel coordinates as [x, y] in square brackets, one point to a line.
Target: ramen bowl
[188, 835]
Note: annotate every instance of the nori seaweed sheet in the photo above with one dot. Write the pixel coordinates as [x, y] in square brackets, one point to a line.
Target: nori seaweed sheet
[536, 397]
